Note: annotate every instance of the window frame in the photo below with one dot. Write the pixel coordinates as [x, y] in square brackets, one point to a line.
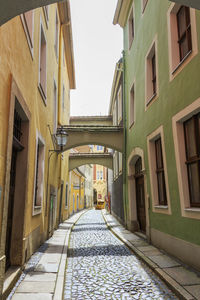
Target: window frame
[186, 34]
[56, 40]
[180, 156]
[66, 195]
[151, 74]
[193, 159]
[131, 27]
[143, 5]
[42, 89]
[46, 14]
[175, 64]
[55, 105]
[156, 206]
[160, 171]
[39, 167]
[132, 106]
[29, 36]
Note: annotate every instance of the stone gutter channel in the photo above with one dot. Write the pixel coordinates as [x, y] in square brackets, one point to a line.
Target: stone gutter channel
[44, 273]
[181, 279]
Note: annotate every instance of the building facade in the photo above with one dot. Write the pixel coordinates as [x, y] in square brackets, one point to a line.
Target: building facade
[37, 73]
[161, 96]
[116, 111]
[99, 177]
[77, 191]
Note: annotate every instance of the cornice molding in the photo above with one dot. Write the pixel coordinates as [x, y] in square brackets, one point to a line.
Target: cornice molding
[121, 12]
[65, 18]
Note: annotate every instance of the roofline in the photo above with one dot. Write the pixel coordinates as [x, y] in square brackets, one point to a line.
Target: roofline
[121, 12]
[65, 18]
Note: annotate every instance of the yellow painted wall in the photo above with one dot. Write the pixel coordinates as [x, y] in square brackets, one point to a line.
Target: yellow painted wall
[77, 189]
[17, 62]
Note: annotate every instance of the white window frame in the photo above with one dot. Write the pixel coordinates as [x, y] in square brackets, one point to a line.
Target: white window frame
[30, 40]
[37, 209]
[43, 92]
[164, 209]
[179, 145]
[175, 66]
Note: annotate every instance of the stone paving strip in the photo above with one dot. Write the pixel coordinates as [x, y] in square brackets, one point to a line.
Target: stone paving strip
[43, 276]
[184, 281]
[100, 266]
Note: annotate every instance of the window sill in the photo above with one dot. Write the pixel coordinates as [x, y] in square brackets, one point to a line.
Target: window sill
[181, 62]
[42, 94]
[131, 125]
[192, 209]
[151, 99]
[37, 210]
[161, 206]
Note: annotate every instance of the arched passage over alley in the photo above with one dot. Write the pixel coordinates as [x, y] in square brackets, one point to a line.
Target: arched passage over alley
[79, 159]
[12, 8]
[108, 136]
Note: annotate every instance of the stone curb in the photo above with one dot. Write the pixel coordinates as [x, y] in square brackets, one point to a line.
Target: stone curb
[59, 286]
[171, 283]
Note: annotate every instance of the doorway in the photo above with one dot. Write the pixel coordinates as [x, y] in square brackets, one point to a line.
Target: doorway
[17, 186]
[140, 195]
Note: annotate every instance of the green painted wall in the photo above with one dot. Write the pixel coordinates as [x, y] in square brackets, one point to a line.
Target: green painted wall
[173, 97]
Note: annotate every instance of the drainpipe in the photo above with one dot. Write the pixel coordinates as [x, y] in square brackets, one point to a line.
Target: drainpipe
[59, 109]
[125, 140]
[59, 77]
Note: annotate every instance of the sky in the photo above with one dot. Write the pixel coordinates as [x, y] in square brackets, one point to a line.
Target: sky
[98, 45]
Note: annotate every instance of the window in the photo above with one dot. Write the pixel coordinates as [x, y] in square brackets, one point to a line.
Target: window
[66, 196]
[55, 108]
[56, 36]
[42, 65]
[116, 164]
[63, 98]
[101, 174]
[184, 31]
[158, 172]
[120, 162]
[131, 28]
[63, 54]
[162, 197]
[131, 107]
[46, 13]
[28, 24]
[144, 3]
[119, 101]
[182, 37]
[39, 176]
[192, 146]
[151, 74]
[98, 175]
[186, 134]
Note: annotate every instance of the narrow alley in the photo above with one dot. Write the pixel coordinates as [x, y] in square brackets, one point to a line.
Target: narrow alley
[100, 266]
[94, 265]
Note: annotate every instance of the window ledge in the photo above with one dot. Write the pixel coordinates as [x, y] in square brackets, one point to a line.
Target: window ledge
[37, 210]
[131, 125]
[151, 99]
[161, 206]
[181, 62]
[42, 94]
[193, 209]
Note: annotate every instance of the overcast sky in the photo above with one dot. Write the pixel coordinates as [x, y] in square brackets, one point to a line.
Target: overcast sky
[97, 48]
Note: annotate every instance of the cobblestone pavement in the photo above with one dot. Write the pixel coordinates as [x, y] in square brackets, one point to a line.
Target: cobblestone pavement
[100, 266]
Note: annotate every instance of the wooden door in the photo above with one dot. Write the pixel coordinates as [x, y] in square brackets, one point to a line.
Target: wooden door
[140, 196]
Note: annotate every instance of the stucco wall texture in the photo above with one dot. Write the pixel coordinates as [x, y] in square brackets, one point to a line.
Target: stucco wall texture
[19, 65]
[173, 96]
